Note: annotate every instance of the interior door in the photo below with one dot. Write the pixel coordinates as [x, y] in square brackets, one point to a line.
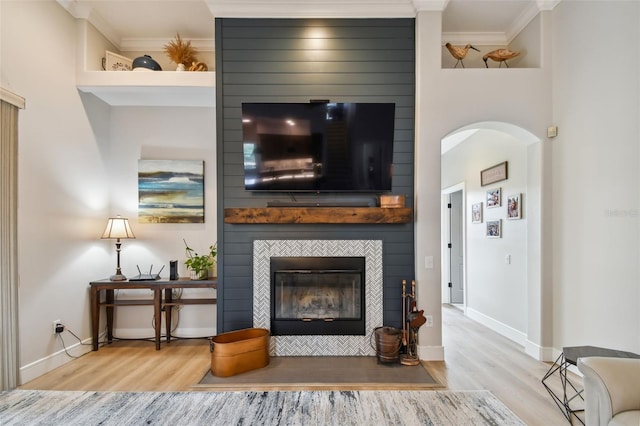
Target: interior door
[456, 253]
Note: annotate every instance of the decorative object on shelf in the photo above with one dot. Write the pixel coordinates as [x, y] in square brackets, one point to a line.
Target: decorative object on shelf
[459, 52]
[392, 201]
[199, 265]
[500, 55]
[181, 52]
[494, 228]
[117, 228]
[476, 213]
[494, 198]
[146, 63]
[114, 62]
[514, 207]
[171, 191]
[198, 66]
[494, 174]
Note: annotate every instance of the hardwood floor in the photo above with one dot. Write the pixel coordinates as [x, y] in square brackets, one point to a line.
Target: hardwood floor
[476, 358]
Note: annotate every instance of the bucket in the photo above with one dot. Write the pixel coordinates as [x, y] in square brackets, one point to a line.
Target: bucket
[239, 351]
[388, 343]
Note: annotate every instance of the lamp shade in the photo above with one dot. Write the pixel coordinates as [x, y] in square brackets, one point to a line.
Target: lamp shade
[117, 227]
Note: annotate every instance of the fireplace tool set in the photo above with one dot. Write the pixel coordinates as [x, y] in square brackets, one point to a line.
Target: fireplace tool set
[412, 320]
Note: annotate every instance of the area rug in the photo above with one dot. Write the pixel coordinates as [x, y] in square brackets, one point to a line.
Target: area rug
[29, 407]
[325, 373]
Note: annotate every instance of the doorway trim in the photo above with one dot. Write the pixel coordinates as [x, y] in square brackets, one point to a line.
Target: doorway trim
[444, 240]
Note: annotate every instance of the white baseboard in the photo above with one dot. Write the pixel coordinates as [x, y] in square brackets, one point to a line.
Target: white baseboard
[538, 352]
[500, 328]
[431, 353]
[57, 359]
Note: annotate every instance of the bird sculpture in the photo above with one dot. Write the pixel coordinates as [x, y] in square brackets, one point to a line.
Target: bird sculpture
[459, 52]
[500, 55]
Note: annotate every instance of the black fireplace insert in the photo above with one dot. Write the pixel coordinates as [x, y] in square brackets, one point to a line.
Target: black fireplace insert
[317, 296]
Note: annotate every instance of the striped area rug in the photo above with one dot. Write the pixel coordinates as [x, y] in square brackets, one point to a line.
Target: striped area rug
[28, 407]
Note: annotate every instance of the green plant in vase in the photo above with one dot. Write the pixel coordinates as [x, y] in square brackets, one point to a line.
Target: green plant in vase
[199, 265]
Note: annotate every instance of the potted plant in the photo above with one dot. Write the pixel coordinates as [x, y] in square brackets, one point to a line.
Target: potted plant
[199, 265]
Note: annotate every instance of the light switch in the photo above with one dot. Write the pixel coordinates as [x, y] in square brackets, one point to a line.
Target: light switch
[507, 259]
[428, 262]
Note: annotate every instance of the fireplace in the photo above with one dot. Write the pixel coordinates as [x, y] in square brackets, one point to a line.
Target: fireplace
[317, 296]
[319, 344]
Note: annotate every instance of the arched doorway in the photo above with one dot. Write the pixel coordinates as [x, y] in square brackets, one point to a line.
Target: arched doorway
[501, 276]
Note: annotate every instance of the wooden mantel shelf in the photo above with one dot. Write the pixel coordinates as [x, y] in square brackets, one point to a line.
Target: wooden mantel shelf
[317, 215]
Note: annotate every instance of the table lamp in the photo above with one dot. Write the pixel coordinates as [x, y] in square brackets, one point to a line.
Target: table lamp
[117, 228]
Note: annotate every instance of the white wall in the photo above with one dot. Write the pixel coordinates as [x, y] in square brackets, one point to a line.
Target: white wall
[160, 133]
[77, 166]
[63, 187]
[595, 174]
[490, 280]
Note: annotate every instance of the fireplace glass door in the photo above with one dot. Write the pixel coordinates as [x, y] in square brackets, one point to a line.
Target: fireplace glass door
[318, 296]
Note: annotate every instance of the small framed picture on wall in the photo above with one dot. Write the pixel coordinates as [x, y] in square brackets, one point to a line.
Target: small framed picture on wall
[494, 174]
[494, 198]
[514, 207]
[476, 213]
[494, 228]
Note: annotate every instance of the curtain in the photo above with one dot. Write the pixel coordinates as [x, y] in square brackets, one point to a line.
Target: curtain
[9, 343]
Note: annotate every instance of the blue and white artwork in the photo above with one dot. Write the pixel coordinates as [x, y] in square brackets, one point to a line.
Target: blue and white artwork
[170, 191]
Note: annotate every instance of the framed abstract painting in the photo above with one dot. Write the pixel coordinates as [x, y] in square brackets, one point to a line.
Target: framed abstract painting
[171, 191]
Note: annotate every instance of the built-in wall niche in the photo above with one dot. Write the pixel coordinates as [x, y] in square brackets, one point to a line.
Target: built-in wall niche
[139, 88]
[524, 37]
[476, 58]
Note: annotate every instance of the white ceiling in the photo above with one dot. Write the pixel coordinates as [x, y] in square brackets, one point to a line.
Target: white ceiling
[142, 24]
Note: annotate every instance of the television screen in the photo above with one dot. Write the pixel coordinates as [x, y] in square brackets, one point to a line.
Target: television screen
[318, 147]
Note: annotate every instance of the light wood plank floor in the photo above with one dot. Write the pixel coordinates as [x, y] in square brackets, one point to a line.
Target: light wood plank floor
[475, 358]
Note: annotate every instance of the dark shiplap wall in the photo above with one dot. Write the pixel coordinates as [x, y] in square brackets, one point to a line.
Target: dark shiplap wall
[296, 60]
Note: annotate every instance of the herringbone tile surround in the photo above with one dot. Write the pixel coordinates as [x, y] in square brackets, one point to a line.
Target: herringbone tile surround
[371, 250]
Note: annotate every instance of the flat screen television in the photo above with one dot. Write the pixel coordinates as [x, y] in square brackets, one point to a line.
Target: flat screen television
[318, 147]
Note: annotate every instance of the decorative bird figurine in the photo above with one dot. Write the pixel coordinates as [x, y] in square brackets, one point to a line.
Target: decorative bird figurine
[459, 52]
[500, 55]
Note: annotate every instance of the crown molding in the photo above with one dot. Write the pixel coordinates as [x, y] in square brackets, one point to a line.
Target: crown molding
[314, 8]
[547, 4]
[85, 11]
[76, 9]
[310, 9]
[522, 21]
[475, 38]
[430, 5]
[157, 44]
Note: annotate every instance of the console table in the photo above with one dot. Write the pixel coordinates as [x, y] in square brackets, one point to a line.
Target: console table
[157, 301]
[571, 391]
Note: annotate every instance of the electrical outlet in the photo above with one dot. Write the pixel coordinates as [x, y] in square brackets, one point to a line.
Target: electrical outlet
[58, 327]
[429, 322]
